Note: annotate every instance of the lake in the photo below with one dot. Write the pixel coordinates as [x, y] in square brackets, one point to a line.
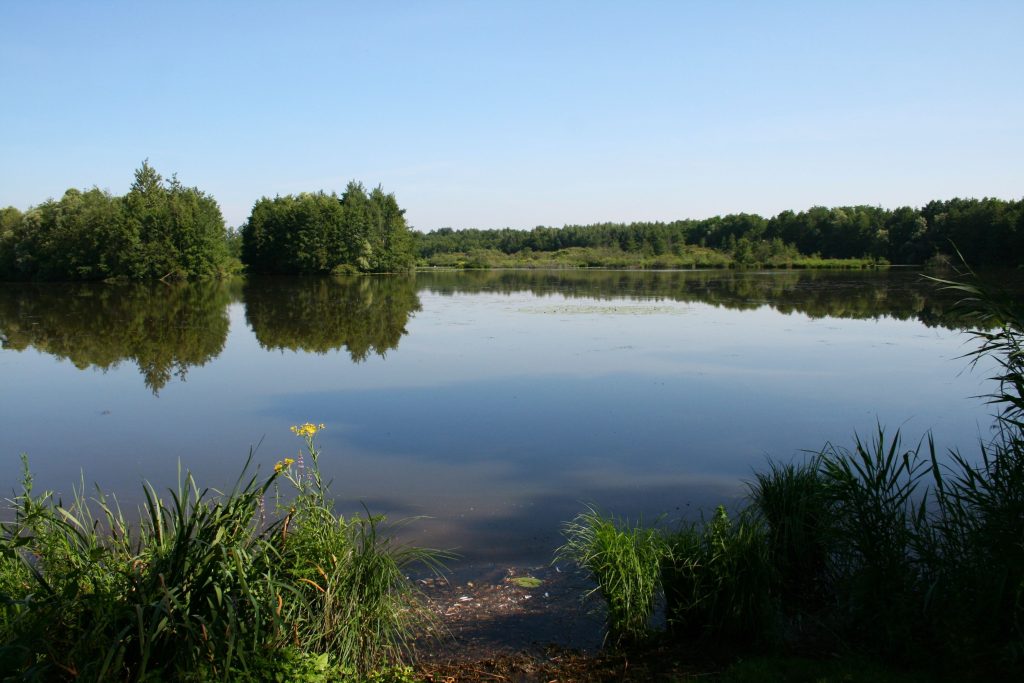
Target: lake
[490, 406]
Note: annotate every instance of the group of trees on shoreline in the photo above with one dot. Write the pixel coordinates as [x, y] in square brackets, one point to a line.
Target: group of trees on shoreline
[317, 232]
[985, 231]
[162, 229]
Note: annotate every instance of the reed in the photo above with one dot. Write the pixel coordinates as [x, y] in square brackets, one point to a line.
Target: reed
[793, 501]
[974, 543]
[718, 579]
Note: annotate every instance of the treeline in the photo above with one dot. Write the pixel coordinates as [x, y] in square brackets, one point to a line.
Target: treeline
[986, 232]
[324, 233]
[160, 229]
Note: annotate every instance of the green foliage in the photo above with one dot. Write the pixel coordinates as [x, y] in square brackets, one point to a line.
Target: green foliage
[988, 231]
[202, 588]
[173, 230]
[718, 579]
[160, 229]
[10, 225]
[874, 507]
[323, 233]
[624, 560]
[998, 318]
[109, 600]
[973, 548]
[973, 538]
[292, 664]
[795, 504]
[356, 602]
[579, 257]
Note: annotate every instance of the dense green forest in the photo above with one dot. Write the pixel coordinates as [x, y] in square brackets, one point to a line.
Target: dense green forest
[985, 232]
[323, 233]
[160, 229]
[164, 230]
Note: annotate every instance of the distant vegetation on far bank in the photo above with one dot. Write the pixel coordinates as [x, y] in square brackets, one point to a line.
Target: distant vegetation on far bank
[162, 229]
[987, 232]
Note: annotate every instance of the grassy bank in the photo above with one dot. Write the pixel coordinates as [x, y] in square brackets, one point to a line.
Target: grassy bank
[690, 256]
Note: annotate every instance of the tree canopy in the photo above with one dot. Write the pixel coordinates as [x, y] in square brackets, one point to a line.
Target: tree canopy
[985, 231]
[315, 232]
[160, 229]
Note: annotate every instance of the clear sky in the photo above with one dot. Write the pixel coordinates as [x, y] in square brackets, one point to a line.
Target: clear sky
[491, 114]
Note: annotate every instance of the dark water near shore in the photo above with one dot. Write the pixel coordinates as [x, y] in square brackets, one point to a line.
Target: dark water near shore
[494, 403]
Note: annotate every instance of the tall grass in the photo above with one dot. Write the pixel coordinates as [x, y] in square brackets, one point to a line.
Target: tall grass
[202, 588]
[975, 550]
[975, 543]
[793, 501]
[875, 503]
[624, 561]
[718, 579]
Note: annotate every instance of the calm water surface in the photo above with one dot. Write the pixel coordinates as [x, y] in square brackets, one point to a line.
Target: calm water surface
[495, 403]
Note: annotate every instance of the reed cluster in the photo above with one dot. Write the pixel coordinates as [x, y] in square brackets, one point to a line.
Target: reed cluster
[207, 586]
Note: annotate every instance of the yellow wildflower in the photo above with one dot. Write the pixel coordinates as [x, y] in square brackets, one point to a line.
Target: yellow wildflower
[307, 430]
[281, 465]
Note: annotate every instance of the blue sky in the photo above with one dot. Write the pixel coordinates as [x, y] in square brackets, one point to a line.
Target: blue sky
[492, 114]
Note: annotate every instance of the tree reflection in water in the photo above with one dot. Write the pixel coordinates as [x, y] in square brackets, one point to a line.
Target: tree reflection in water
[166, 329]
